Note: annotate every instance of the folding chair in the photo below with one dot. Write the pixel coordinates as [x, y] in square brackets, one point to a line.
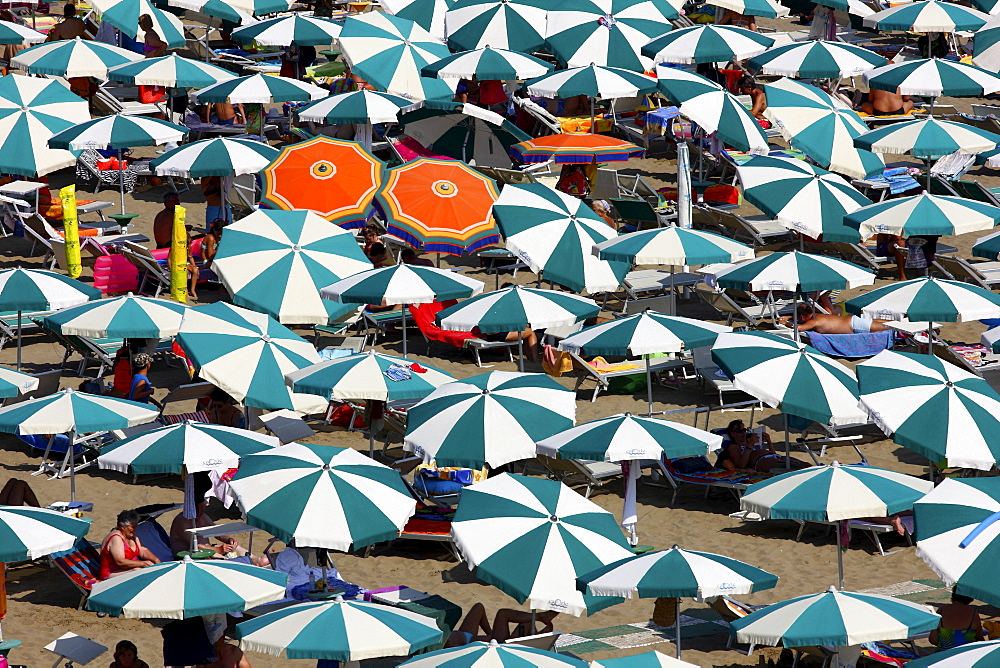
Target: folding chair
[188, 392]
[640, 213]
[985, 275]
[150, 270]
[731, 311]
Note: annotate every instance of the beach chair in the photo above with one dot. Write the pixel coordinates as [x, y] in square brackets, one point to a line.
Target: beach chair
[636, 186]
[543, 641]
[639, 213]
[91, 351]
[150, 270]
[423, 317]
[870, 529]
[728, 310]
[545, 122]
[985, 275]
[858, 254]
[710, 373]
[514, 177]
[105, 100]
[976, 191]
[585, 372]
[373, 323]
[188, 392]
[757, 230]
[729, 609]
[155, 538]
[580, 472]
[704, 475]
[87, 171]
[991, 374]
[81, 564]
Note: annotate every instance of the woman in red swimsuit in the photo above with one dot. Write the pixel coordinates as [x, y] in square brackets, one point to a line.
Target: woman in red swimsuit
[121, 551]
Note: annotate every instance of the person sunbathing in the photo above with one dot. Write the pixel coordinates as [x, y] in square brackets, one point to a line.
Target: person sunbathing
[749, 450]
[823, 323]
[884, 103]
[476, 628]
[17, 492]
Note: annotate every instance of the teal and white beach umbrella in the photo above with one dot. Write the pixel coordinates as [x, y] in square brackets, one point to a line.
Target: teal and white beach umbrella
[14, 383]
[531, 538]
[125, 14]
[957, 535]
[553, 233]
[514, 308]
[518, 25]
[247, 355]
[187, 588]
[339, 630]
[275, 262]
[31, 111]
[73, 58]
[933, 408]
[676, 573]
[713, 108]
[766, 8]
[815, 60]
[401, 284]
[927, 299]
[986, 46]
[261, 7]
[927, 16]
[481, 655]
[794, 271]
[120, 317]
[801, 197]
[821, 126]
[363, 377]
[261, 89]
[170, 70]
[428, 14]
[645, 660]
[928, 139]
[606, 32]
[15, 33]
[469, 133]
[987, 247]
[217, 8]
[32, 533]
[487, 63]
[973, 655]
[297, 29]
[322, 496]
[834, 618]
[933, 77]
[593, 81]
[39, 290]
[706, 44]
[488, 420]
[672, 246]
[360, 106]
[388, 52]
[922, 214]
[118, 132]
[793, 377]
[991, 338]
[219, 156]
[190, 446]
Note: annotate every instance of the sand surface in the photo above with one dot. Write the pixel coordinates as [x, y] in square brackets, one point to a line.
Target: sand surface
[42, 603]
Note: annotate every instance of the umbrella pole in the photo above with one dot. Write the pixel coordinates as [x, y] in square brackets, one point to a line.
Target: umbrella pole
[930, 341]
[404, 330]
[840, 558]
[72, 467]
[121, 179]
[520, 351]
[673, 297]
[18, 340]
[788, 445]
[592, 115]
[795, 315]
[649, 387]
[677, 625]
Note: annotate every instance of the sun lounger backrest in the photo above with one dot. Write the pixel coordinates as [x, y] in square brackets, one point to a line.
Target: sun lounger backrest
[962, 270]
[542, 641]
[155, 538]
[81, 564]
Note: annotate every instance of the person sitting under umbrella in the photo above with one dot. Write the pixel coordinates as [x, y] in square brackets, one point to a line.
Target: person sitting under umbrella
[748, 86]
[409, 256]
[960, 624]
[122, 550]
[127, 656]
[885, 103]
[141, 389]
[823, 323]
[71, 27]
[475, 621]
[748, 450]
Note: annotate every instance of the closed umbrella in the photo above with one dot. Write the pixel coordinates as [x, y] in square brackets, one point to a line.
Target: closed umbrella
[646, 334]
[322, 496]
[923, 214]
[187, 588]
[624, 438]
[295, 29]
[469, 133]
[32, 533]
[31, 111]
[957, 536]
[303, 176]
[834, 618]
[706, 44]
[488, 420]
[127, 317]
[247, 354]
[487, 63]
[170, 70]
[339, 630]
[275, 262]
[821, 126]
[675, 573]
[428, 14]
[933, 408]
[801, 197]
[518, 25]
[37, 290]
[532, 538]
[442, 206]
[481, 654]
[401, 284]
[606, 32]
[72, 58]
[816, 59]
[553, 233]
[190, 446]
[833, 493]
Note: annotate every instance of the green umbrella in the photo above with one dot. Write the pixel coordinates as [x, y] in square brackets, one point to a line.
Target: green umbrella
[221, 156]
[428, 14]
[216, 8]
[14, 33]
[73, 58]
[471, 134]
[816, 60]
[357, 107]
[125, 14]
[927, 16]
[170, 70]
[295, 29]
[706, 44]
[927, 299]
[532, 538]
[923, 214]
[794, 271]
[261, 89]
[493, 654]
[518, 25]
[593, 81]
[486, 64]
[32, 533]
[672, 246]
[119, 318]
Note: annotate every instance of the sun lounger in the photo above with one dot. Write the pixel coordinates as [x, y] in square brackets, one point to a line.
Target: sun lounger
[81, 564]
[91, 351]
[985, 275]
[423, 318]
[105, 100]
[581, 471]
[871, 529]
[543, 641]
[150, 270]
[379, 322]
[48, 383]
[639, 214]
[545, 122]
[188, 392]
[586, 372]
[990, 373]
[732, 312]
[757, 230]
[729, 609]
[155, 538]
[866, 344]
[733, 481]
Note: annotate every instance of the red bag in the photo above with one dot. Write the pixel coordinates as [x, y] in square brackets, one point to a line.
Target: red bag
[340, 415]
[723, 193]
[491, 92]
[151, 94]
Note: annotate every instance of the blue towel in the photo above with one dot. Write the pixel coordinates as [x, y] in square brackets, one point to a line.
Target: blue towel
[852, 345]
[898, 178]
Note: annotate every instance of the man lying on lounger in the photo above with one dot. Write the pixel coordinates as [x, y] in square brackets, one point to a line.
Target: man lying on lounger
[833, 324]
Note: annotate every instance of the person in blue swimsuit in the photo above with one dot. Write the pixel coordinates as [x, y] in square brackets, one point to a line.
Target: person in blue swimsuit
[141, 389]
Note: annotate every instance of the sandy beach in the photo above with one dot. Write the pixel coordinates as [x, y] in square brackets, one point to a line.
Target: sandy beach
[42, 602]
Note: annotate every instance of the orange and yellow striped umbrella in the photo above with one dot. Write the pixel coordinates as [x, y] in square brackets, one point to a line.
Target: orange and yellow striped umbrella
[579, 149]
[442, 206]
[335, 178]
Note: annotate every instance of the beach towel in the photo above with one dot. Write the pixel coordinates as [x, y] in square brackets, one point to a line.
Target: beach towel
[852, 345]
[899, 179]
[556, 362]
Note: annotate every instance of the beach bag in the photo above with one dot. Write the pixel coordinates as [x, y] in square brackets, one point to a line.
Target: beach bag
[915, 258]
[723, 194]
[151, 94]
